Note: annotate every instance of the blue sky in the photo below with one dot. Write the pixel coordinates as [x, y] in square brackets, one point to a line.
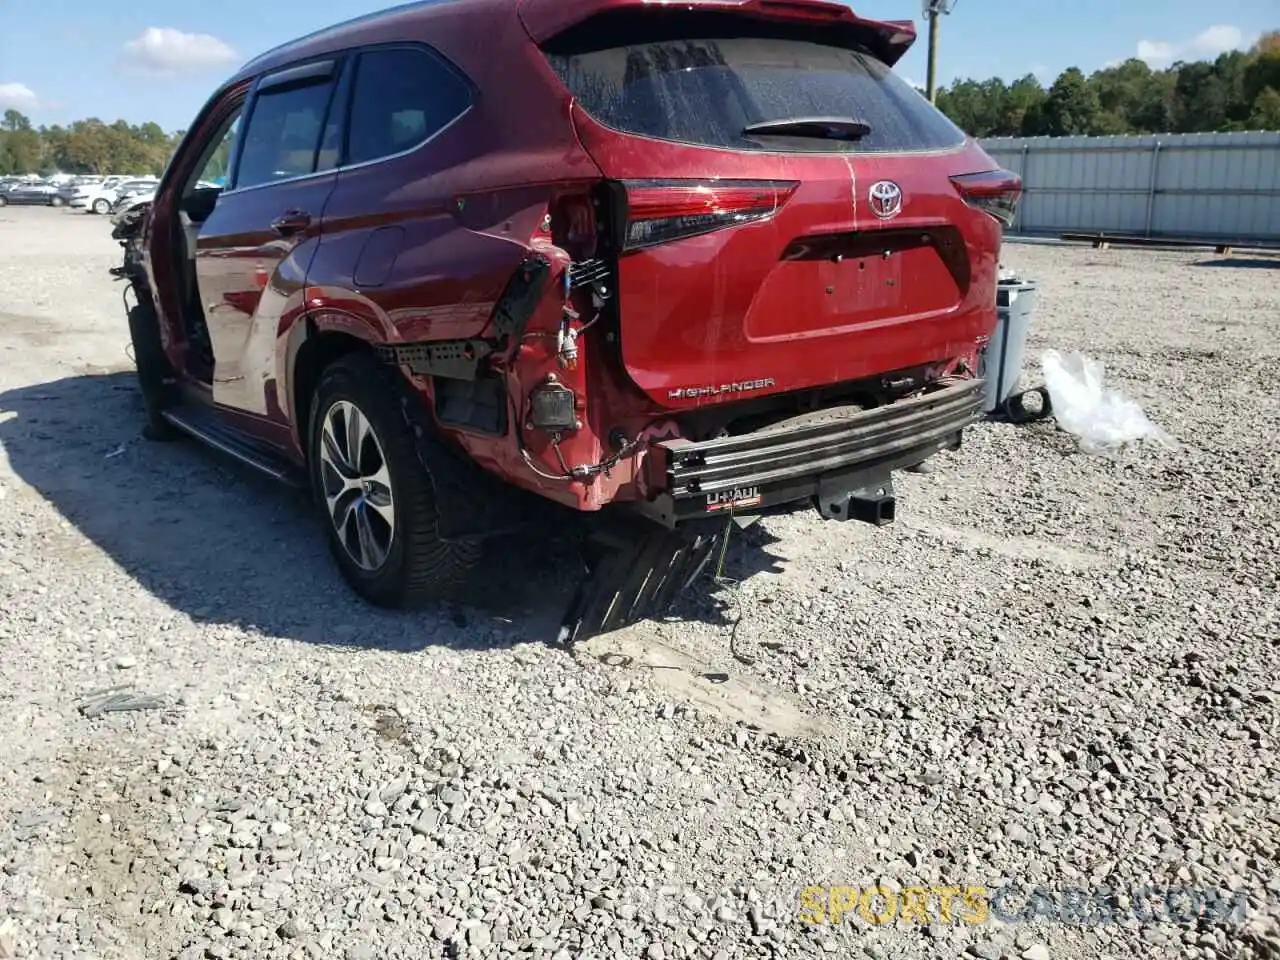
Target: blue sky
[61, 60]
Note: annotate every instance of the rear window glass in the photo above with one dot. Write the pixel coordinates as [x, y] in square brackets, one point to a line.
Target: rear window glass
[706, 90]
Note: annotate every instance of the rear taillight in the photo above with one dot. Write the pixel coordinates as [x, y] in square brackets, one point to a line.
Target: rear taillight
[995, 192]
[659, 211]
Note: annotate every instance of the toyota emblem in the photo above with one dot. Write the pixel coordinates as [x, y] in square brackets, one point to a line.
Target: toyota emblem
[885, 198]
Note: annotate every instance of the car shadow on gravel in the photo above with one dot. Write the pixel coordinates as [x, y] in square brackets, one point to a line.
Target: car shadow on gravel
[221, 545]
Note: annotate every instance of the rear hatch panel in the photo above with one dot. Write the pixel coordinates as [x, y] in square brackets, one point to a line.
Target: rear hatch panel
[839, 280]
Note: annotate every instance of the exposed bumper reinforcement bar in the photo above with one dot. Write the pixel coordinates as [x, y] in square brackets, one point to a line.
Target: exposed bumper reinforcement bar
[754, 471]
[638, 568]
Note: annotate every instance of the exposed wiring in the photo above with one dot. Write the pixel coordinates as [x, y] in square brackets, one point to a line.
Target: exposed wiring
[608, 463]
[719, 576]
[555, 445]
[733, 639]
[566, 337]
[538, 470]
[544, 335]
[581, 472]
[735, 590]
[569, 474]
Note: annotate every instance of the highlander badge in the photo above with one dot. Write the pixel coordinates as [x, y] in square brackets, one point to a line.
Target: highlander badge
[745, 386]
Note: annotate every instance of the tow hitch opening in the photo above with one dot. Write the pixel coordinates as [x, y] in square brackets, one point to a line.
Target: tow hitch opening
[873, 503]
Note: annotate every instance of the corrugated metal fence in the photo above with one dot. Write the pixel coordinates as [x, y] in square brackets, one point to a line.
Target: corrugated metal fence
[1199, 186]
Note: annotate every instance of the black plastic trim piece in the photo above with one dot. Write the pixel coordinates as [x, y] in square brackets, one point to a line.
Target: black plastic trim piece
[478, 406]
[638, 570]
[453, 359]
[316, 70]
[521, 296]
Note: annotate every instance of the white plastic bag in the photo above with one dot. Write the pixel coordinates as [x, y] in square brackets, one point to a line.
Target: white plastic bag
[1102, 420]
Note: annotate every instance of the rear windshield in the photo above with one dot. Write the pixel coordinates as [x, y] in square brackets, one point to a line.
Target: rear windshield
[706, 90]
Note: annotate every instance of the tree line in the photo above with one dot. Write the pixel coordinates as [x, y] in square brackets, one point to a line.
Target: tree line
[86, 146]
[1238, 91]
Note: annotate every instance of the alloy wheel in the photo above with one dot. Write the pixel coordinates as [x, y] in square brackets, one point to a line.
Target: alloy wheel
[356, 485]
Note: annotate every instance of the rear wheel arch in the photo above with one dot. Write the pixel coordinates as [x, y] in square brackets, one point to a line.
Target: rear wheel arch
[315, 350]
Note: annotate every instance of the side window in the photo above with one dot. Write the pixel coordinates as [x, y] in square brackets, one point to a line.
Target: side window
[402, 96]
[216, 163]
[283, 133]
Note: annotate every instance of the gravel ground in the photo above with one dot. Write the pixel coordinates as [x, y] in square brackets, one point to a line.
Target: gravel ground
[1055, 671]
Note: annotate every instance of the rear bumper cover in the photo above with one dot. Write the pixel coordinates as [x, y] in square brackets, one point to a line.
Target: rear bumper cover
[751, 472]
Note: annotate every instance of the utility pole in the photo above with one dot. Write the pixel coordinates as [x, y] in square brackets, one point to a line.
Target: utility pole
[933, 12]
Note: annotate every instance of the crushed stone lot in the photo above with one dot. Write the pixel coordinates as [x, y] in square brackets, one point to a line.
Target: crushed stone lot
[1055, 671]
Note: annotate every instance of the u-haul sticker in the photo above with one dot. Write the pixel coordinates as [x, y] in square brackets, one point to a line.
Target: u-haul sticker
[736, 499]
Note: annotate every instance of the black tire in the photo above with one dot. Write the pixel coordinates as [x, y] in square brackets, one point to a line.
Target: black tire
[56, 201]
[4, 201]
[154, 371]
[420, 567]
[101, 207]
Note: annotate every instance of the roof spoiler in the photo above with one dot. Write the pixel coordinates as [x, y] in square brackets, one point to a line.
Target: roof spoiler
[889, 40]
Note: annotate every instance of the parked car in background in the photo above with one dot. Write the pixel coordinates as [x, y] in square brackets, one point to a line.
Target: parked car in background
[655, 267]
[15, 180]
[94, 197]
[32, 193]
[98, 197]
[70, 187]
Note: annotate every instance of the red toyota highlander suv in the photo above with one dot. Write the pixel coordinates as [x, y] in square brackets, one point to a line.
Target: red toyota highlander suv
[662, 265]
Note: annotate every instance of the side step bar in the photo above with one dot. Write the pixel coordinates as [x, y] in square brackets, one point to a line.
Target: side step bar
[205, 428]
[636, 570]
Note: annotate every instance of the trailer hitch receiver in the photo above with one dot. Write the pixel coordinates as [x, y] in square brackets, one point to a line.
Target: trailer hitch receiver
[872, 502]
